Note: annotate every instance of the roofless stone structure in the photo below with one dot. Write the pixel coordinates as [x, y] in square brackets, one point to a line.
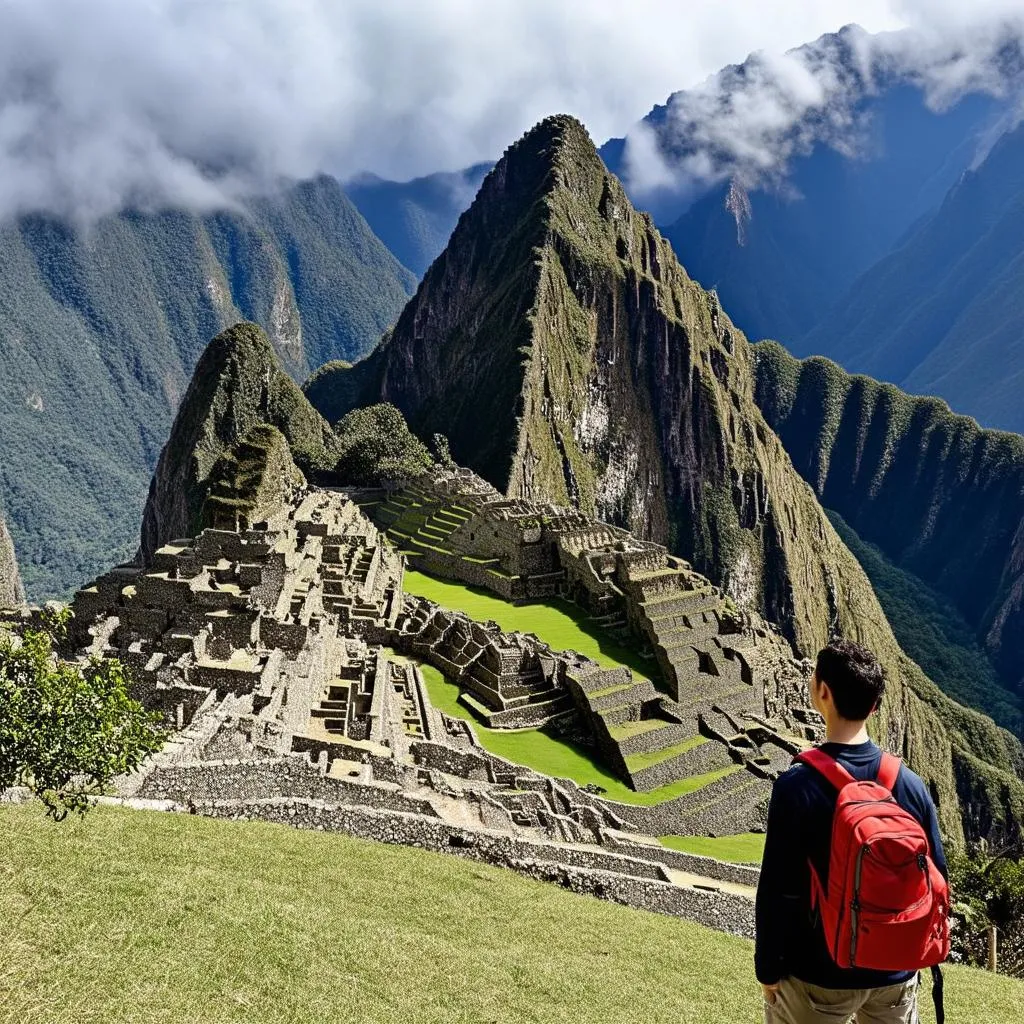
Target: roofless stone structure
[286, 655]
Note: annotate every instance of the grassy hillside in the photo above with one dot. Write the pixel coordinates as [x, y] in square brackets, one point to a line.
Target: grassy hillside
[133, 917]
[101, 328]
[935, 634]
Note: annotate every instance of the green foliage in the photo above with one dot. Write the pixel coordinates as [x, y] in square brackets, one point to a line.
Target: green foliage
[377, 446]
[988, 890]
[66, 730]
[442, 451]
[100, 330]
[935, 634]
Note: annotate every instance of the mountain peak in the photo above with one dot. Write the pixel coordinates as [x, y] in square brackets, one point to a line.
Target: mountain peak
[239, 384]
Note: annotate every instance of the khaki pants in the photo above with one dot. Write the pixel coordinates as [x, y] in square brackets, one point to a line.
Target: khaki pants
[799, 1003]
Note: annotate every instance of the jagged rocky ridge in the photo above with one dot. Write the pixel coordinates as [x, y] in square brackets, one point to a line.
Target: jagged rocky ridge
[11, 592]
[941, 496]
[566, 354]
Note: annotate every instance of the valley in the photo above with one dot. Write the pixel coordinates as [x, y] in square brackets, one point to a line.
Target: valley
[423, 562]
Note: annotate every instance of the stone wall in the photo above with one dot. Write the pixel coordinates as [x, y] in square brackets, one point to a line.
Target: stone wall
[248, 780]
[633, 882]
[706, 867]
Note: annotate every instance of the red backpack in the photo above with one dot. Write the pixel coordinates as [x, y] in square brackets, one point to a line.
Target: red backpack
[886, 906]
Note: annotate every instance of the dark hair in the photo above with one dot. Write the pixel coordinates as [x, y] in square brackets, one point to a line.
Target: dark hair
[855, 677]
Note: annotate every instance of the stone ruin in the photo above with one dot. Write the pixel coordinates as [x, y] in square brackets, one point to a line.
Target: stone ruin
[286, 657]
[715, 668]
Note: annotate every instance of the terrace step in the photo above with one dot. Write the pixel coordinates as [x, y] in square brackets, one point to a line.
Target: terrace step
[693, 757]
[646, 736]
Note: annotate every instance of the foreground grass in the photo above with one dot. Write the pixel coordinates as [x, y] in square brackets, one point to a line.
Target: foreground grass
[562, 625]
[133, 917]
[744, 848]
[554, 755]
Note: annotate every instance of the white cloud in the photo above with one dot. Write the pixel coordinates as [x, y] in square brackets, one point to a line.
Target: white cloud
[196, 102]
[747, 126]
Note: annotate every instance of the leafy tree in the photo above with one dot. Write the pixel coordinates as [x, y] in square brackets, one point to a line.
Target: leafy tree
[442, 451]
[67, 729]
[988, 890]
[378, 446]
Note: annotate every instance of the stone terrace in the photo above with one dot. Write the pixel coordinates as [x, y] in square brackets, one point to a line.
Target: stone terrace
[285, 655]
[706, 707]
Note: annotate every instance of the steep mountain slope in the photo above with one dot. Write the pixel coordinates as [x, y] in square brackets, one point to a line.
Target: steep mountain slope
[784, 179]
[239, 385]
[415, 218]
[100, 329]
[566, 355]
[779, 256]
[931, 630]
[944, 313]
[939, 495]
[11, 592]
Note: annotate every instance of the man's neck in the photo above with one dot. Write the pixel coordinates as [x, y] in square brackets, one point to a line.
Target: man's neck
[843, 731]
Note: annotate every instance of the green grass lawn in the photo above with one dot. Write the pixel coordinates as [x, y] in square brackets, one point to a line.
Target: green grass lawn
[562, 625]
[745, 848]
[553, 755]
[135, 917]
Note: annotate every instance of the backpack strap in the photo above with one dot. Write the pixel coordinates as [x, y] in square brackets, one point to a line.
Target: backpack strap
[937, 995]
[889, 771]
[827, 766]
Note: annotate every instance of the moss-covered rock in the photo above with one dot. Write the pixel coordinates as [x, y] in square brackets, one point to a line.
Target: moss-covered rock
[567, 355]
[238, 385]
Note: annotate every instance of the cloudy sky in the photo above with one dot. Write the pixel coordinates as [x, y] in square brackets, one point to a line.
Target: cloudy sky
[110, 102]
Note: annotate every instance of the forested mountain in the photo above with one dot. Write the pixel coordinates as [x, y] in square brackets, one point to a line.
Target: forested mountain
[415, 218]
[567, 356]
[941, 497]
[101, 327]
[943, 313]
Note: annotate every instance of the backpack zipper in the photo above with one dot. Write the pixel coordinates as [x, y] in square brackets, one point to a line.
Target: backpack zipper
[855, 904]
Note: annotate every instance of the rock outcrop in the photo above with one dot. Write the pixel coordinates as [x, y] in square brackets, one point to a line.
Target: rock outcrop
[568, 357]
[942, 497]
[238, 385]
[11, 593]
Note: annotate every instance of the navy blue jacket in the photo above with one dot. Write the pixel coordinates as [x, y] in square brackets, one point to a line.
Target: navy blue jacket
[789, 940]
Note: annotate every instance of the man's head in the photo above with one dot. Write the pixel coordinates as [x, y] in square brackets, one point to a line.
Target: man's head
[848, 681]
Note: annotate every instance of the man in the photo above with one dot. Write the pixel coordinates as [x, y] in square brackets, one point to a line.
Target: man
[802, 984]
